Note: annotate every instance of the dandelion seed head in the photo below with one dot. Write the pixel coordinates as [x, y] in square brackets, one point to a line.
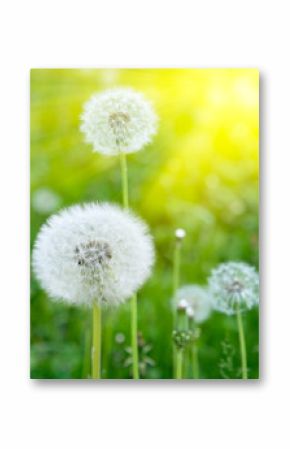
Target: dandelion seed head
[45, 201]
[234, 285]
[94, 252]
[198, 301]
[180, 234]
[120, 338]
[118, 120]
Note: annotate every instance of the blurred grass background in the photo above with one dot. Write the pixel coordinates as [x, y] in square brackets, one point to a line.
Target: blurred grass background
[200, 173]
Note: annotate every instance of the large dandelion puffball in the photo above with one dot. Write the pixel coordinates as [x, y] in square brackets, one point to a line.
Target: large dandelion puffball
[197, 299]
[94, 252]
[234, 286]
[118, 120]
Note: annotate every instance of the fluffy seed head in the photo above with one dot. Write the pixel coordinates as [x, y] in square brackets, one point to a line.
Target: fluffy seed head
[118, 120]
[94, 252]
[197, 300]
[234, 285]
[45, 201]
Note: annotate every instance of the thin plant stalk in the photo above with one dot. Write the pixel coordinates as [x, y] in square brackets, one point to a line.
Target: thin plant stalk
[134, 336]
[195, 362]
[87, 352]
[97, 340]
[107, 346]
[243, 348]
[194, 348]
[124, 173]
[179, 364]
[175, 285]
[176, 266]
[134, 311]
[182, 330]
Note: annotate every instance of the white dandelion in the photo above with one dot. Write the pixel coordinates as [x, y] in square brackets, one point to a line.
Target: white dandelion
[118, 120]
[93, 253]
[197, 299]
[45, 201]
[234, 286]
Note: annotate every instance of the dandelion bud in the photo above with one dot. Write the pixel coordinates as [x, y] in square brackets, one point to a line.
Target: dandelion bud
[180, 234]
[182, 305]
[95, 252]
[190, 312]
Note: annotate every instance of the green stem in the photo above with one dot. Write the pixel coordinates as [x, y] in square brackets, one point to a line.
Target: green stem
[195, 363]
[242, 345]
[179, 364]
[87, 350]
[176, 267]
[175, 285]
[97, 335]
[124, 173]
[134, 336]
[134, 324]
[107, 345]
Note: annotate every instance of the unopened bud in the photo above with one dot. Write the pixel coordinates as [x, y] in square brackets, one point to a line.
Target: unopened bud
[180, 234]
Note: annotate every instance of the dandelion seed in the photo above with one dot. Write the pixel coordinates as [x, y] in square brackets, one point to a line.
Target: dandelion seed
[117, 121]
[93, 253]
[233, 286]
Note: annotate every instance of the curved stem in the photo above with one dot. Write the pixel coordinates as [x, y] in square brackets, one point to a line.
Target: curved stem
[134, 324]
[96, 349]
[242, 345]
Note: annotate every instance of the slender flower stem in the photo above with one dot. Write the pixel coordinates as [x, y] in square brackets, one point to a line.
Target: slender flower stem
[242, 345]
[107, 345]
[182, 341]
[176, 266]
[134, 336]
[134, 315]
[195, 363]
[124, 172]
[97, 336]
[179, 364]
[87, 352]
[175, 285]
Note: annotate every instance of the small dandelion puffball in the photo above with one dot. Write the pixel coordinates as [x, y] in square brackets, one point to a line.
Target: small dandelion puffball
[197, 299]
[45, 201]
[233, 286]
[94, 252]
[118, 120]
[180, 234]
